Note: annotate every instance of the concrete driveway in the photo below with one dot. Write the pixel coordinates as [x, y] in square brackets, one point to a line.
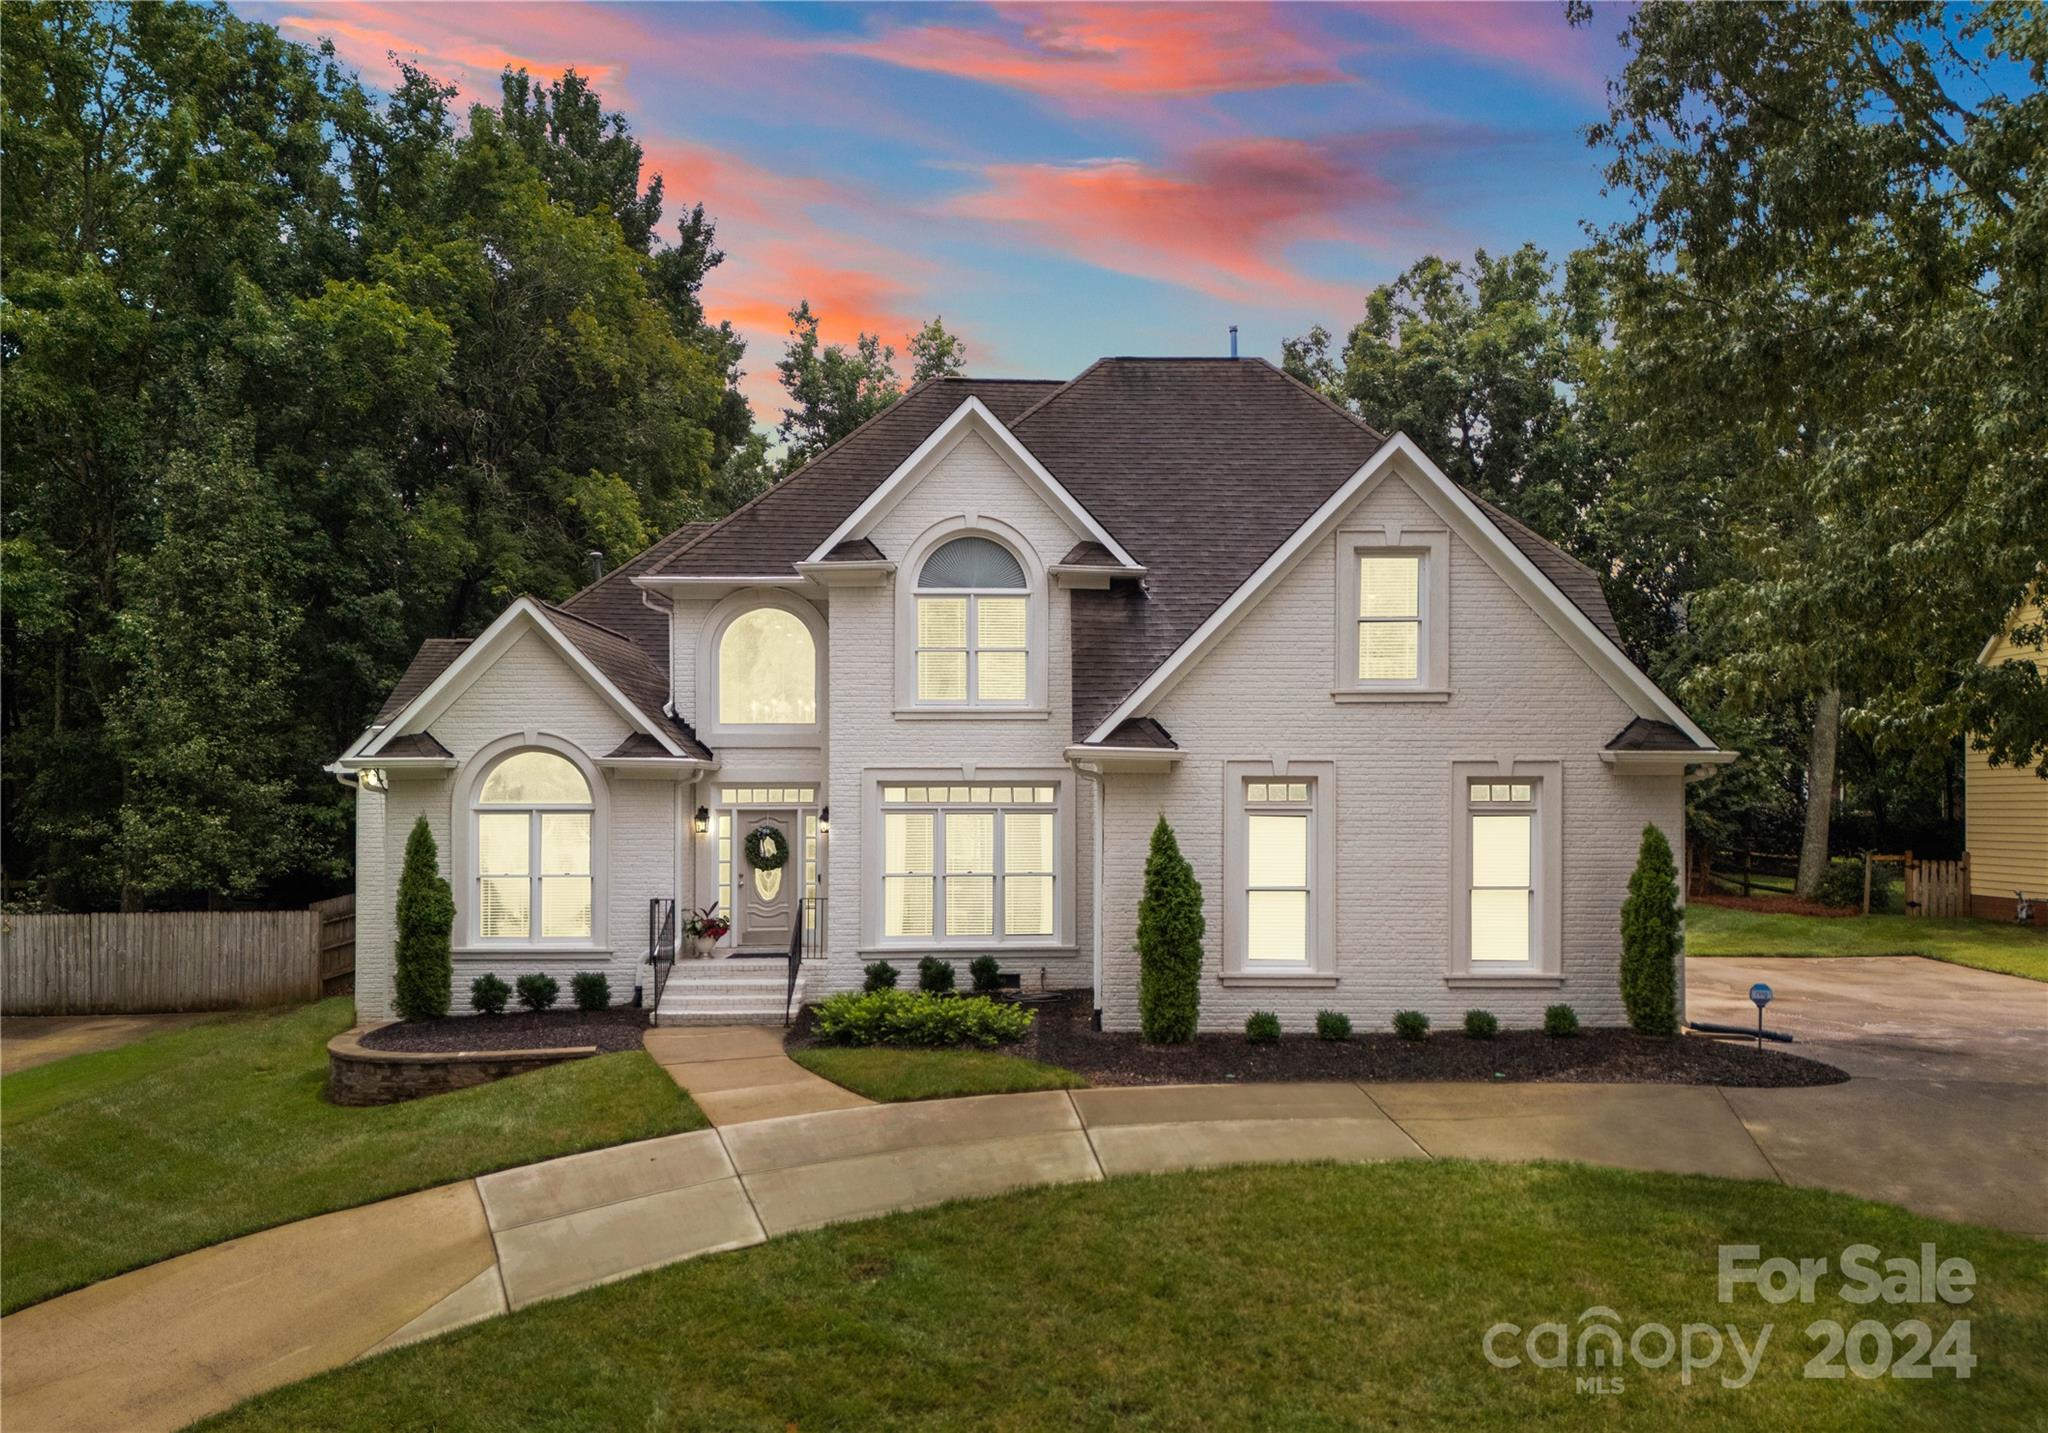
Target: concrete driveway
[1948, 1110]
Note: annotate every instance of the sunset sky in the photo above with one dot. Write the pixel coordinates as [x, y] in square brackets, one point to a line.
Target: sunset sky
[1059, 181]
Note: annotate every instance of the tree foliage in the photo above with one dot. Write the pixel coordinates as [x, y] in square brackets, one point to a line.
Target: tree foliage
[405, 368]
[935, 352]
[1170, 929]
[1651, 939]
[832, 389]
[423, 967]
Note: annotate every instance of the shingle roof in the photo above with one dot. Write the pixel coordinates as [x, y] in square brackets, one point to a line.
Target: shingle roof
[613, 601]
[1199, 468]
[1141, 731]
[632, 671]
[1246, 454]
[427, 663]
[418, 743]
[784, 525]
[1089, 554]
[1642, 734]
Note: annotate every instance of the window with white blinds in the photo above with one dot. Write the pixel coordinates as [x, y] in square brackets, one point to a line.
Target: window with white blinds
[532, 845]
[969, 863]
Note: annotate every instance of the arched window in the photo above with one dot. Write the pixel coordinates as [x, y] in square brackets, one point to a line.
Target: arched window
[767, 670]
[973, 620]
[533, 828]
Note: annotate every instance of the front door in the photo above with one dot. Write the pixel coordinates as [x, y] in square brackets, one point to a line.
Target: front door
[767, 899]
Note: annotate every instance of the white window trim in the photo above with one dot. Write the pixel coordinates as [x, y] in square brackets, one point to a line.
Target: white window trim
[463, 852]
[1321, 966]
[872, 854]
[1431, 545]
[716, 733]
[1037, 624]
[1546, 921]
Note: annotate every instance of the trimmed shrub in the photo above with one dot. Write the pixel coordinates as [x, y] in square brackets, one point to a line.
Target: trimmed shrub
[1262, 1027]
[1841, 885]
[918, 1020]
[424, 973]
[1650, 939]
[1411, 1024]
[1170, 929]
[986, 972]
[1560, 1021]
[1480, 1025]
[1333, 1025]
[590, 990]
[878, 976]
[935, 976]
[488, 994]
[537, 992]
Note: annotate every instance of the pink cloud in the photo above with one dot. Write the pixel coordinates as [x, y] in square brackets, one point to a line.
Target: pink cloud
[1137, 50]
[1220, 222]
[461, 43]
[1522, 37]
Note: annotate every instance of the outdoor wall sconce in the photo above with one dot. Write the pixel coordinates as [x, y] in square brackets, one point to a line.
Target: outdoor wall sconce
[825, 821]
[703, 820]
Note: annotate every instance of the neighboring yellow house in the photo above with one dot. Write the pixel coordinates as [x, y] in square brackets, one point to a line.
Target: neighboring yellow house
[2005, 810]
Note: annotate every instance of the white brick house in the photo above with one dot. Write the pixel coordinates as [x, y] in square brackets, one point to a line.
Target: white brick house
[962, 662]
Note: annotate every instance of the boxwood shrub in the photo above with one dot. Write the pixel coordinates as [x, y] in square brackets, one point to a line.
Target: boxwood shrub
[1481, 1025]
[1262, 1027]
[1333, 1025]
[919, 1020]
[986, 972]
[488, 994]
[880, 975]
[537, 992]
[1560, 1020]
[935, 976]
[1411, 1024]
[590, 990]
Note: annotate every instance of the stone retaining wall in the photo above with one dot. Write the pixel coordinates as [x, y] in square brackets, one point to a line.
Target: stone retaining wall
[360, 1076]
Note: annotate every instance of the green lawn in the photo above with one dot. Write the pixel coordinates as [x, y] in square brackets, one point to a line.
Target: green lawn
[118, 1159]
[1986, 945]
[893, 1075]
[1298, 1297]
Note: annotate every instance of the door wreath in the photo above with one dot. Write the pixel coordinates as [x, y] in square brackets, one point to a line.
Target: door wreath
[767, 848]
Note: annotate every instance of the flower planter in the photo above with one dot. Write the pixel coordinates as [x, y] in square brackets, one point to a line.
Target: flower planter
[706, 944]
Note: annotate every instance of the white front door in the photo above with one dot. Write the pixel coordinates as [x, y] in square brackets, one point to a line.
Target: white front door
[767, 900]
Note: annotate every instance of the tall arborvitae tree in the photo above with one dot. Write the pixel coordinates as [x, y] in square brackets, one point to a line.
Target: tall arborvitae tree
[1170, 929]
[1652, 939]
[423, 968]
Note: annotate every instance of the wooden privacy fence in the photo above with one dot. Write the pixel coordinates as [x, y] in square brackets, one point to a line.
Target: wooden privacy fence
[1937, 888]
[170, 960]
[337, 939]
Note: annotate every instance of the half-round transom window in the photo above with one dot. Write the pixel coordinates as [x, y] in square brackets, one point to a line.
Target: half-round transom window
[967, 563]
[972, 626]
[533, 876]
[767, 670]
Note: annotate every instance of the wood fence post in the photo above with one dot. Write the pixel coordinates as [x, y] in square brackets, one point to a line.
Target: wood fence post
[1964, 905]
[1866, 883]
[1748, 859]
[1912, 884]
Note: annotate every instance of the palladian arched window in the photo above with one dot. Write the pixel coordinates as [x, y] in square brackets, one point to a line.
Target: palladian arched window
[533, 845]
[973, 620]
[767, 670]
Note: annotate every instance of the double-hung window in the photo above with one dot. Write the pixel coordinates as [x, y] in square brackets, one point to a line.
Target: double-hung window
[1389, 618]
[968, 863]
[1501, 827]
[533, 850]
[1279, 817]
[973, 621]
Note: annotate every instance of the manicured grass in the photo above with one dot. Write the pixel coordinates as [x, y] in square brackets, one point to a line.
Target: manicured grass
[892, 1075]
[1985, 945]
[1319, 1297]
[122, 1158]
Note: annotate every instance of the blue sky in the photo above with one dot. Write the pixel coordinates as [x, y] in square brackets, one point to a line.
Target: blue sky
[1060, 181]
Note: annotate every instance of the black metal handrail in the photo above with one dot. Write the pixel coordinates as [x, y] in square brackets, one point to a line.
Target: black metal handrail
[661, 943]
[805, 934]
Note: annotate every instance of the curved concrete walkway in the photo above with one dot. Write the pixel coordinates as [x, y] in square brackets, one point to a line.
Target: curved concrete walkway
[162, 1346]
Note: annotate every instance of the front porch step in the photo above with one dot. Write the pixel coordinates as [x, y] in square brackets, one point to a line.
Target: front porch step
[732, 991]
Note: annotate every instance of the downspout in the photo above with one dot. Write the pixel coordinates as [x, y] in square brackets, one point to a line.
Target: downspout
[1092, 774]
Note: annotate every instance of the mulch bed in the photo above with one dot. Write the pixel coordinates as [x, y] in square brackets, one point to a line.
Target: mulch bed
[1776, 906]
[618, 1028]
[1062, 1036]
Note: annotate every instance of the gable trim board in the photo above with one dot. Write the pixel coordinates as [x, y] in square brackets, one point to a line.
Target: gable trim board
[524, 615]
[1592, 645]
[971, 418]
